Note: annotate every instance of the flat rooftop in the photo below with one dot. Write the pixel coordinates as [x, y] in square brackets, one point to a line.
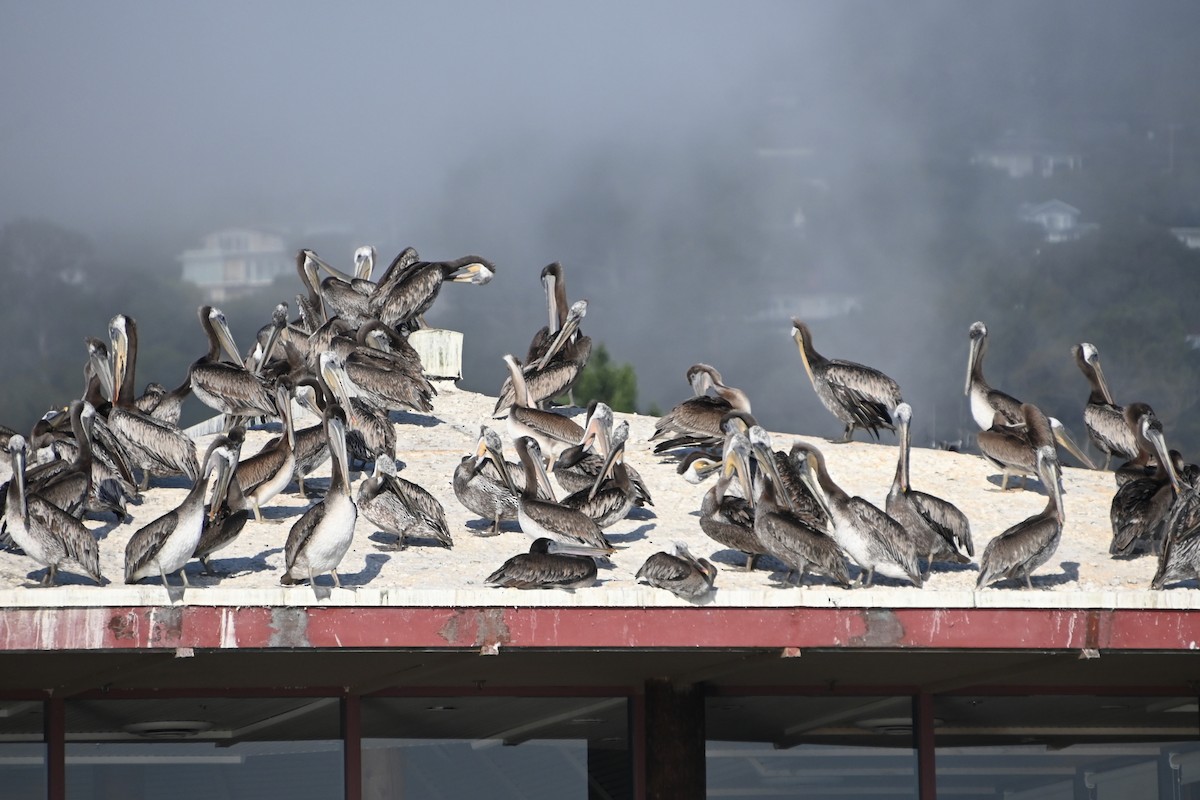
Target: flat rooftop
[1080, 575]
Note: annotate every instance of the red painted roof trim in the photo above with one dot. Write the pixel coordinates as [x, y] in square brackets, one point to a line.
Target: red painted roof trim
[487, 629]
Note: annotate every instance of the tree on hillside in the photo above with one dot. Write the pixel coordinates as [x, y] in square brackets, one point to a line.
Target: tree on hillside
[603, 380]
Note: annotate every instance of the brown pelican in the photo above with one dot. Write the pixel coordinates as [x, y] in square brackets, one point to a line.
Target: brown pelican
[1141, 504]
[985, 401]
[680, 573]
[153, 446]
[697, 421]
[861, 397]
[549, 564]
[394, 275]
[399, 506]
[227, 511]
[787, 535]
[612, 496]
[46, 533]
[551, 431]
[1024, 547]
[320, 539]
[727, 518]
[372, 434]
[941, 530]
[1104, 419]
[556, 370]
[480, 485]
[389, 380]
[312, 445]
[1012, 448]
[577, 467]
[697, 466]
[269, 471]
[80, 485]
[1180, 556]
[166, 544]
[228, 388]
[548, 518]
[407, 300]
[162, 404]
[873, 539]
[348, 296]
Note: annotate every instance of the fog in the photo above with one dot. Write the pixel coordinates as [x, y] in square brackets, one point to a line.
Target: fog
[704, 171]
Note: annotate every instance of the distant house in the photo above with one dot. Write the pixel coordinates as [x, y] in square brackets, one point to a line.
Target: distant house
[234, 261]
[1188, 237]
[1020, 158]
[1058, 220]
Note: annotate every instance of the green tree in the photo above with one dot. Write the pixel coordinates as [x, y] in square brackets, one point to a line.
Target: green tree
[603, 380]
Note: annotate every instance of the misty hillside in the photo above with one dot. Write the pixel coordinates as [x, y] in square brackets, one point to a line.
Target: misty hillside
[703, 172]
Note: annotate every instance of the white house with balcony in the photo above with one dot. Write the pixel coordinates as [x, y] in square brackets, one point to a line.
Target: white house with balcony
[1059, 221]
[234, 261]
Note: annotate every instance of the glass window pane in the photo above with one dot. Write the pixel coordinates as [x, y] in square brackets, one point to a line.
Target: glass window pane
[506, 748]
[810, 747]
[1069, 747]
[22, 750]
[183, 748]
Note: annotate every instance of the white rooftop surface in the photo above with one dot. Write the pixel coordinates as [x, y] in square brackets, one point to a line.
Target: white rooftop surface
[1081, 574]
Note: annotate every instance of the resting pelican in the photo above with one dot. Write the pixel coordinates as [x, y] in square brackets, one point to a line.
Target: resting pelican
[549, 564]
[941, 530]
[555, 371]
[728, 518]
[612, 496]
[269, 471]
[167, 543]
[226, 513]
[1024, 547]
[1012, 448]
[406, 301]
[479, 483]
[320, 539]
[47, 534]
[785, 534]
[399, 506]
[154, 446]
[348, 296]
[229, 388]
[985, 401]
[1141, 504]
[394, 275]
[548, 518]
[680, 573]
[372, 434]
[577, 468]
[697, 421]
[1103, 418]
[1180, 556]
[387, 378]
[551, 431]
[873, 539]
[859, 396]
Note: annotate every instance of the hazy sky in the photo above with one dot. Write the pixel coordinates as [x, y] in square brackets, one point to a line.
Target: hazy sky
[314, 113]
[474, 126]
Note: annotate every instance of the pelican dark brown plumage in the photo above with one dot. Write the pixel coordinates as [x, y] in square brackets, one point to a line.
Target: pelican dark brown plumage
[1029, 544]
[680, 573]
[875, 541]
[941, 529]
[549, 564]
[859, 396]
[1103, 418]
[46, 533]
